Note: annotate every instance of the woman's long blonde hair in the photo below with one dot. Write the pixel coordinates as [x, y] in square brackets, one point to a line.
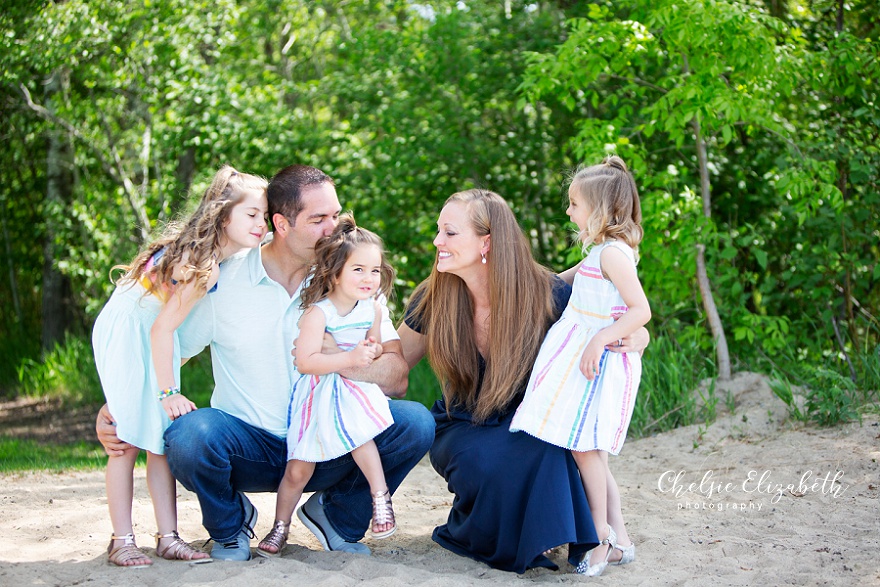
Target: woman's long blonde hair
[610, 192]
[199, 237]
[521, 305]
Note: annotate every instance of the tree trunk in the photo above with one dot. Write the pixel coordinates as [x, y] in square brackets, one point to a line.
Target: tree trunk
[721, 352]
[55, 286]
[13, 282]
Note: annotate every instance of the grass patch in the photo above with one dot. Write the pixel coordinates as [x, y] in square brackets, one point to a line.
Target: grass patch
[18, 455]
[671, 376]
[822, 395]
[67, 371]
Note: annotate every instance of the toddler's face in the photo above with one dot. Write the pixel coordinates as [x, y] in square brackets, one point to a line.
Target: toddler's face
[577, 209]
[361, 275]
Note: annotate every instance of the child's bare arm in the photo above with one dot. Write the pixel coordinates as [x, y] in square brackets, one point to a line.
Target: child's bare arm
[170, 317]
[374, 334]
[310, 360]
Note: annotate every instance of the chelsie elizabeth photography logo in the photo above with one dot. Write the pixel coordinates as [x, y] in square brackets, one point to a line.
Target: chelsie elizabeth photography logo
[711, 493]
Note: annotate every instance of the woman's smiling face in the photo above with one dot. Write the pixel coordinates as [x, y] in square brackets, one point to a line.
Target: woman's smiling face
[459, 248]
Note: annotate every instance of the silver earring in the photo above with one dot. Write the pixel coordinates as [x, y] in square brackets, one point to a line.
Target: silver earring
[484, 258]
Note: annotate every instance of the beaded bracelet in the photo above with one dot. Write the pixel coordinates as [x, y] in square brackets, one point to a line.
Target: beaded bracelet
[168, 392]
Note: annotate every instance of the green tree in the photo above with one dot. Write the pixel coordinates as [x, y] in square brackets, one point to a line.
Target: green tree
[707, 97]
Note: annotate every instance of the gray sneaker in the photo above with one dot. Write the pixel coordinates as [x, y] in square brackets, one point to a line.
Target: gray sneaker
[311, 514]
[240, 548]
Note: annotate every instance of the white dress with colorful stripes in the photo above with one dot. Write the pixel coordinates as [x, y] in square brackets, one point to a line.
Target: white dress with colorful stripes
[329, 415]
[561, 406]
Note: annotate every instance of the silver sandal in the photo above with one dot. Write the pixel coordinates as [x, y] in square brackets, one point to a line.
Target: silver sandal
[276, 538]
[383, 513]
[628, 554]
[180, 550]
[127, 553]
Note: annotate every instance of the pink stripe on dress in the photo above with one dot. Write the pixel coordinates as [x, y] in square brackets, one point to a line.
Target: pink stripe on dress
[361, 397]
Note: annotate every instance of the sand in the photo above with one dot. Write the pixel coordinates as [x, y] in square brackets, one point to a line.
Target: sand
[781, 503]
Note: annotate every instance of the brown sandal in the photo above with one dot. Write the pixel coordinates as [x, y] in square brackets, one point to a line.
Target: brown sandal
[383, 513]
[276, 539]
[128, 554]
[179, 550]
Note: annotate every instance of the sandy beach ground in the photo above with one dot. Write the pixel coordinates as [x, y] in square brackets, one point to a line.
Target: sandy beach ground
[752, 499]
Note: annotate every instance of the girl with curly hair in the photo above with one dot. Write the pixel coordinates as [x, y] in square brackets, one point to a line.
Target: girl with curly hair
[138, 356]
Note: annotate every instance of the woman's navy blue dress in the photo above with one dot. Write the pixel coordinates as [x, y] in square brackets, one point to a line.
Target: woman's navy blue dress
[515, 496]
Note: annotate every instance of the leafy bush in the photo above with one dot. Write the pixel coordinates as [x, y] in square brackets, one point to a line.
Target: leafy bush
[827, 397]
[67, 371]
[672, 371]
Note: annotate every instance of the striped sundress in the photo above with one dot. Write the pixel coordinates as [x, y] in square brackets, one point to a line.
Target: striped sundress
[329, 415]
[561, 406]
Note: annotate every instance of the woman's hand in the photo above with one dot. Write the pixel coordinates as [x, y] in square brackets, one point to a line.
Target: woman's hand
[636, 342]
[105, 428]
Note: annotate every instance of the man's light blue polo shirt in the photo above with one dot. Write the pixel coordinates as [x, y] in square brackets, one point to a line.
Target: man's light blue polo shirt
[250, 323]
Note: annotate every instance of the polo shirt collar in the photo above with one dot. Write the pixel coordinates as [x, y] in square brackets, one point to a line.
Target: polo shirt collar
[255, 265]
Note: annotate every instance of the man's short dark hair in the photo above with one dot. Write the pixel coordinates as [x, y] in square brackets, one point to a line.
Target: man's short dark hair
[285, 189]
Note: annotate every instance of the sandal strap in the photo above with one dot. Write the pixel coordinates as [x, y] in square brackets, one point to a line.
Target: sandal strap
[277, 537]
[127, 552]
[129, 538]
[383, 513]
[178, 549]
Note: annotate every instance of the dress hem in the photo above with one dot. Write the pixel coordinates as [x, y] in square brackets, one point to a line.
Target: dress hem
[560, 445]
[341, 454]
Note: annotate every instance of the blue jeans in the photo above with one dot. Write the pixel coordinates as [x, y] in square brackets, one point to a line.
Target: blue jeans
[216, 456]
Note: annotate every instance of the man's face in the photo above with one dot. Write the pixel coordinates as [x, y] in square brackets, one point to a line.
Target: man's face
[318, 218]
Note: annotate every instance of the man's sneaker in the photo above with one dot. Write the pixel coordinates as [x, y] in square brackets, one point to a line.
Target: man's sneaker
[240, 548]
[311, 514]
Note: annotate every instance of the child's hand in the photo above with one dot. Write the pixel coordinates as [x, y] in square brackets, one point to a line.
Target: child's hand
[591, 358]
[377, 346]
[363, 354]
[177, 405]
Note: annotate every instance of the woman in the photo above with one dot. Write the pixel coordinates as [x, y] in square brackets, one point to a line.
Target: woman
[480, 317]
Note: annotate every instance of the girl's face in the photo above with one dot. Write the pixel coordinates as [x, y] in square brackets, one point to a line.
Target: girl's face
[577, 209]
[247, 222]
[361, 275]
[459, 248]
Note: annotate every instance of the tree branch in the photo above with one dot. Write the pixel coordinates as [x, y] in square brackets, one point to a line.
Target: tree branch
[114, 171]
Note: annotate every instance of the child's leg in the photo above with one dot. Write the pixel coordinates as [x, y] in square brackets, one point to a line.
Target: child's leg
[367, 458]
[163, 493]
[615, 512]
[369, 462]
[120, 493]
[593, 476]
[296, 475]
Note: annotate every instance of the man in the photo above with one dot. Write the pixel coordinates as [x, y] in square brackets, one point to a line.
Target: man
[238, 445]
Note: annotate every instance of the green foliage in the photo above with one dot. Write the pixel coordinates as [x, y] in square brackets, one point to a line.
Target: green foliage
[197, 379]
[404, 106]
[68, 371]
[423, 385]
[790, 120]
[673, 368]
[820, 394]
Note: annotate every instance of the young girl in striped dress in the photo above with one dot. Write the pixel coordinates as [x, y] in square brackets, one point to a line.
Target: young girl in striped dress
[329, 415]
[580, 395]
